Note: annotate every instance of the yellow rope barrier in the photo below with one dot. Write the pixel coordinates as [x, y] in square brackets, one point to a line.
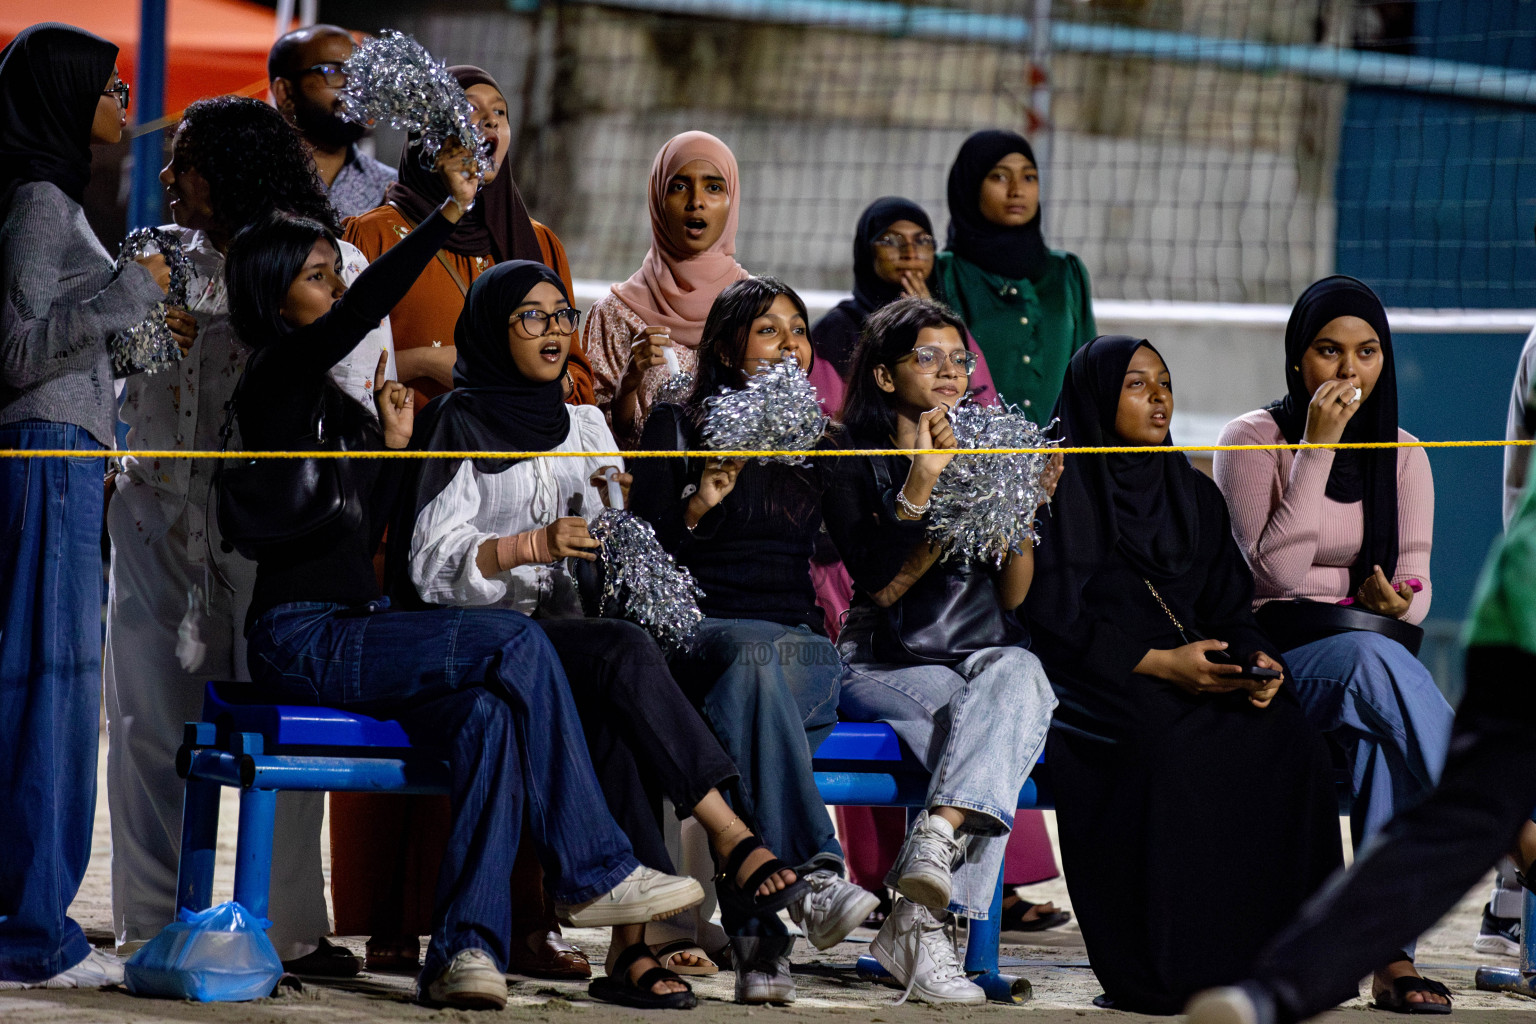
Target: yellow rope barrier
[69, 453]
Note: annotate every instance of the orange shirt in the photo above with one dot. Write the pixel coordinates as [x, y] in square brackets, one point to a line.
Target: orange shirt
[429, 311]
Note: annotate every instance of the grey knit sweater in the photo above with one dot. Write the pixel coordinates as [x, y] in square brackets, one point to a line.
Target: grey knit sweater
[62, 303]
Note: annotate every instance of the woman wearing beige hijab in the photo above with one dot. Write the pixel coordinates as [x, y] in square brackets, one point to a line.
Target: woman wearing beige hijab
[660, 311]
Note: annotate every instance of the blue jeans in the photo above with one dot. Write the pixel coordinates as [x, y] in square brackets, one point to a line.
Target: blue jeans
[50, 692]
[486, 688]
[978, 728]
[769, 693]
[1368, 695]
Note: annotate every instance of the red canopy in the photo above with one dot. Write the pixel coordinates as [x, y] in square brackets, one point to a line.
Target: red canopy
[214, 46]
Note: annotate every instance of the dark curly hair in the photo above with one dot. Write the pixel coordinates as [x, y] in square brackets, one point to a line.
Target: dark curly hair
[254, 162]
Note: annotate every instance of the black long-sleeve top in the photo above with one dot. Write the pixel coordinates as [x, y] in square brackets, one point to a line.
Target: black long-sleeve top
[751, 553]
[861, 519]
[1092, 660]
[286, 387]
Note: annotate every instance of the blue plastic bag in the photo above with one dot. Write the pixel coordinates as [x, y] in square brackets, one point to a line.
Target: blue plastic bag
[218, 955]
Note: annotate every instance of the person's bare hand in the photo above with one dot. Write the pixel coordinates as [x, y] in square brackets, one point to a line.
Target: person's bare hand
[646, 351]
[717, 481]
[397, 406]
[1378, 595]
[934, 434]
[568, 538]
[1330, 411]
[1051, 475]
[599, 482]
[160, 270]
[183, 327]
[460, 172]
[914, 284]
[1188, 668]
[1262, 691]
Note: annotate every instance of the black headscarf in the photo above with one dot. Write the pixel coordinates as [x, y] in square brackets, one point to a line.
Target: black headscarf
[1367, 475]
[1014, 253]
[499, 224]
[1142, 505]
[493, 407]
[51, 78]
[837, 334]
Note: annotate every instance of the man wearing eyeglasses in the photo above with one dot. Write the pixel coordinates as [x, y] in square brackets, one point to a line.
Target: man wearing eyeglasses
[306, 76]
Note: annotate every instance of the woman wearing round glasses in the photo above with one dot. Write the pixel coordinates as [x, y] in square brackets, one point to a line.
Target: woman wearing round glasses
[932, 647]
[893, 255]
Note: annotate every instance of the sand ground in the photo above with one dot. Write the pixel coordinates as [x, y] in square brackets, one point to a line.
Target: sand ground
[1054, 963]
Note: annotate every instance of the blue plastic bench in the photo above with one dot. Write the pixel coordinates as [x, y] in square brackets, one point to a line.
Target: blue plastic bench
[261, 749]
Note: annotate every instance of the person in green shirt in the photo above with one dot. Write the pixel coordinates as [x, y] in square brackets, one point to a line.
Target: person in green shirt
[1426, 858]
[1027, 306]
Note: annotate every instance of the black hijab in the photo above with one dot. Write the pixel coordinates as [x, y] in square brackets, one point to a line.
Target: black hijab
[1141, 505]
[493, 407]
[499, 224]
[1365, 475]
[51, 77]
[1014, 253]
[836, 337]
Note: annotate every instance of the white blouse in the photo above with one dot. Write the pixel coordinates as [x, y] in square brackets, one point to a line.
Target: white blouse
[476, 507]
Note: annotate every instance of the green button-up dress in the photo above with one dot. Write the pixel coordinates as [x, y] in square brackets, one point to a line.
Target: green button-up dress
[1028, 331]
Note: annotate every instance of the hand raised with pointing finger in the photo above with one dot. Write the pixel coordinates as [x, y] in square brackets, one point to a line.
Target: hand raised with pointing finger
[396, 404]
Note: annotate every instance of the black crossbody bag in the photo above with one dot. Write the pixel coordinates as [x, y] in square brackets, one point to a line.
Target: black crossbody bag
[262, 503]
[947, 616]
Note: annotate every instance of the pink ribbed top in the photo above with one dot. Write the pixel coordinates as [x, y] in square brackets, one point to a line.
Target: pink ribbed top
[1300, 543]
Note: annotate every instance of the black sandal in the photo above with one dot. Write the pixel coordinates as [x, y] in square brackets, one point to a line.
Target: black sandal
[1013, 918]
[1397, 1000]
[617, 988]
[743, 896]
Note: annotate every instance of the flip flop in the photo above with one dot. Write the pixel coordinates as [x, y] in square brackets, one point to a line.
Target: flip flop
[618, 989]
[666, 952]
[1397, 1000]
[1013, 918]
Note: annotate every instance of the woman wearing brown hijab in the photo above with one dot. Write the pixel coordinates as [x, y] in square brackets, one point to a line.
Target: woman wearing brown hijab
[496, 230]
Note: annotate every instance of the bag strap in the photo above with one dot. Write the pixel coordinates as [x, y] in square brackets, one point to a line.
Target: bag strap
[1164, 605]
[458, 279]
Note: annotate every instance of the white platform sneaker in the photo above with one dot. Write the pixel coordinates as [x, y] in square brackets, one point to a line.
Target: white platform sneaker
[471, 981]
[927, 860]
[833, 908]
[644, 895]
[97, 970]
[912, 946]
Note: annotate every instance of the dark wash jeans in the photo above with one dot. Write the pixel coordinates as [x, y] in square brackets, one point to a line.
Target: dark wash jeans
[486, 688]
[50, 692]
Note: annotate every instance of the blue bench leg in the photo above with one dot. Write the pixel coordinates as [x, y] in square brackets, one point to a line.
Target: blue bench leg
[199, 842]
[1507, 979]
[253, 851]
[981, 944]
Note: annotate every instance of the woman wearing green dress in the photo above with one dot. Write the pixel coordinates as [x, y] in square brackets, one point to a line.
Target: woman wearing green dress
[1027, 306]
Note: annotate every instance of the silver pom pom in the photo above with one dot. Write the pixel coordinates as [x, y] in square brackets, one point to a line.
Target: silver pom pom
[392, 80]
[677, 389]
[149, 346]
[777, 409]
[983, 507]
[642, 579]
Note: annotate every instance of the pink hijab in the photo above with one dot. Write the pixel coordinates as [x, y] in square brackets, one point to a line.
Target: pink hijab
[675, 289]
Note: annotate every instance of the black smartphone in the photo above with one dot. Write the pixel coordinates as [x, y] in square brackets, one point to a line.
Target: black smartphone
[1250, 669]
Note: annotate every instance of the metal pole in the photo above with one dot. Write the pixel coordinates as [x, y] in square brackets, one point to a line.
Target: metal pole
[309, 12]
[149, 101]
[1040, 84]
[284, 18]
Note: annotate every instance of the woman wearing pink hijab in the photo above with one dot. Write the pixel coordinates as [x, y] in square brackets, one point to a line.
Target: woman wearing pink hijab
[660, 310]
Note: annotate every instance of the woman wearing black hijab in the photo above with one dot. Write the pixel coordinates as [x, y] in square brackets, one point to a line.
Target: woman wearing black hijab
[1196, 808]
[59, 95]
[1029, 307]
[483, 533]
[1322, 528]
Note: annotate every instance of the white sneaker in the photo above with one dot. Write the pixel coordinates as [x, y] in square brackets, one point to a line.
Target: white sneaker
[471, 981]
[925, 865]
[645, 895]
[1230, 1005]
[833, 908]
[765, 982]
[97, 970]
[912, 946]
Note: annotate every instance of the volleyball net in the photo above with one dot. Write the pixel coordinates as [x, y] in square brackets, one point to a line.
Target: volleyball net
[1208, 151]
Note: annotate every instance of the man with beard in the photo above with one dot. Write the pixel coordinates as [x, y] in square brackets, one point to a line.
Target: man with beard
[306, 76]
